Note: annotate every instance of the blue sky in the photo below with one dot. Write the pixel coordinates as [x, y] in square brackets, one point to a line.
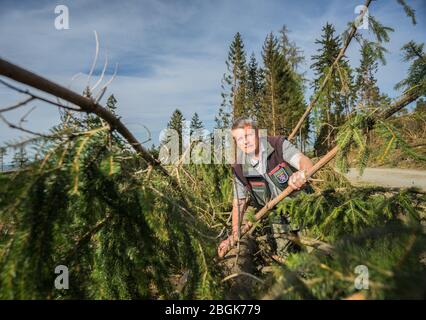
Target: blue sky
[171, 54]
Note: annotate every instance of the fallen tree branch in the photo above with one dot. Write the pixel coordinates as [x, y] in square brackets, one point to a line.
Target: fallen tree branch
[307, 242]
[21, 75]
[242, 273]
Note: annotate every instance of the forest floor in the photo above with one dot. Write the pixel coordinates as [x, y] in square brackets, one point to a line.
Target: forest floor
[389, 177]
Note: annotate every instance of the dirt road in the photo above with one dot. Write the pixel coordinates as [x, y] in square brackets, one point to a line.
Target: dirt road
[389, 177]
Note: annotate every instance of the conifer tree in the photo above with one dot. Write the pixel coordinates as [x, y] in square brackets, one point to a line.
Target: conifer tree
[176, 123]
[296, 106]
[20, 158]
[276, 73]
[125, 233]
[122, 233]
[234, 85]
[416, 78]
[196, 129]
[254, 88]
[282, 102]
[289, 49]
[196, 124]
[368, 94]
[111, 104]
[336, 98]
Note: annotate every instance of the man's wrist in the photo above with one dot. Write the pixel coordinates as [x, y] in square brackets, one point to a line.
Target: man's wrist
[235, 234]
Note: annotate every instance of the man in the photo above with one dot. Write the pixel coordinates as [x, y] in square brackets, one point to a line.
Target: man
[264, 167]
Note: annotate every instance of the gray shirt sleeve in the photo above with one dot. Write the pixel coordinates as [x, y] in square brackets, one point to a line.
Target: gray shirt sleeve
[289, 150]
[239, 189]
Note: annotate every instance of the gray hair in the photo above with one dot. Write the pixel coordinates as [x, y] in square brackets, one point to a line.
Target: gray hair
[242, 122]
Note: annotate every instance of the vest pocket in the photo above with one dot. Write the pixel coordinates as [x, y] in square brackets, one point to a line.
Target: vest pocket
[260, 191]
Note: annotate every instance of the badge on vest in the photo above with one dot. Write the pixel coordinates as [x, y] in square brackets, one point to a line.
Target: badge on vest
[281, 175]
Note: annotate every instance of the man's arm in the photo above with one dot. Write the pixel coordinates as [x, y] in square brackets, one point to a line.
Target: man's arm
[298, 160]
[305, 163]
[239, 206]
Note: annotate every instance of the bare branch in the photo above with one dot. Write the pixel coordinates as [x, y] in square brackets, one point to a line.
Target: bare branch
[112, 78]
[102, 74]
[100, 95]
[241, 273]
[19, 104]
[149, 134]
[24, 117]
[18, 127]
[34, 96]
[19, 74]
[95, 60]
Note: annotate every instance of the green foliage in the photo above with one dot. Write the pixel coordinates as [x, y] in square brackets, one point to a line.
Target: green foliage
[355, 133]
[368, 93]
[392, 136]
[391, 256]
[371, 227]
[330, 215]
[20, 158]
[351, 132]
[121, 236]
[282, 100]
[196, 125]
[93, 205]
[416, 77]
[176, 126]
[272, 93]
[380, 31]
[234, 85]
[255, 83]
[408, 10]
[336, 97]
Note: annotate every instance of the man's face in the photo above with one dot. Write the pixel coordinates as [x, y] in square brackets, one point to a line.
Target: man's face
[246, 139]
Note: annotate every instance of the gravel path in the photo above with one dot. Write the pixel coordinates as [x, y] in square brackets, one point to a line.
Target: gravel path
[389, 177]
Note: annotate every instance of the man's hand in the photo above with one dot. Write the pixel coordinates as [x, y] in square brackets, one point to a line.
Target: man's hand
[226, 244]
[297, 180]
[239, 206]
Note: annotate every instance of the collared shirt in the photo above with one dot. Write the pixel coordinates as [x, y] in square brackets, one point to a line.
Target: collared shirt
[258, 167]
